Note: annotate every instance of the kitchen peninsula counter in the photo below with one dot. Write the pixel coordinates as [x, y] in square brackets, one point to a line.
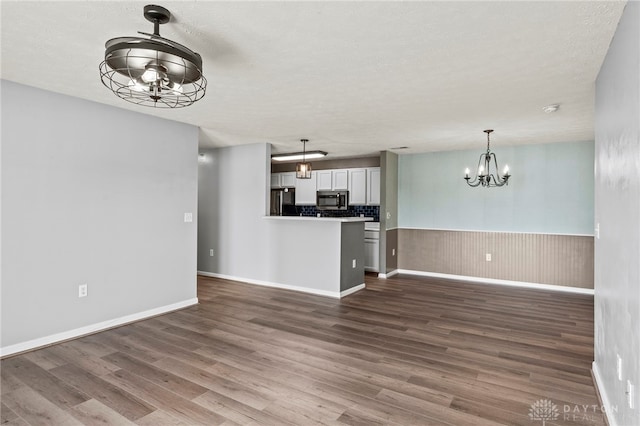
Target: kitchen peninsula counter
[319, 255]
[322, 218]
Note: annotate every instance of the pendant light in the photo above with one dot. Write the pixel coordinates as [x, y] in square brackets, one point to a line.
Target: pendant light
[303, 169]
[488, 174]
[153, 71]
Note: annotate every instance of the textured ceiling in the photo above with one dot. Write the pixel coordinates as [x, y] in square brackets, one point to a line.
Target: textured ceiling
[354, 78]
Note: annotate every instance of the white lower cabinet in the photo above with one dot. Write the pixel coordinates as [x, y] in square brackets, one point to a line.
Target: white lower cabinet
[371, 255]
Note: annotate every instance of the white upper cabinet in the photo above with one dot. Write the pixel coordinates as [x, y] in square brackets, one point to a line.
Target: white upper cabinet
[306, 191]
[373, 186]
[324, 180]
[275, 180]
[357, 187]
[288, 179]
[333, 180]
[283, 180]
[340, 180]
[363, 185]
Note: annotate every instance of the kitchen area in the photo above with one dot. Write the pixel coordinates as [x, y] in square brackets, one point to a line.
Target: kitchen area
[343, 190]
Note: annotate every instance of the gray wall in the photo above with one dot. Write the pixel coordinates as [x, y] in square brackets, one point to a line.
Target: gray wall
[617, 210]
[232, 200]
[388, 210]
[91, 194]
[291, 253]
[351, 247]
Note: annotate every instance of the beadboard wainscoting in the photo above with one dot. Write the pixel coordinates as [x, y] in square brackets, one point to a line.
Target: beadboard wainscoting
[563, 260]
[392, 250]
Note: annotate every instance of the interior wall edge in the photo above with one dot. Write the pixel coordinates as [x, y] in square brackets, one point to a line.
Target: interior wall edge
[333, 294]
[41, 342]
[481, 280]
[602, 394]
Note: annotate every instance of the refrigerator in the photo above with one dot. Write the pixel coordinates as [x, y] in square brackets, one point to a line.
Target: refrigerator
[283, 202]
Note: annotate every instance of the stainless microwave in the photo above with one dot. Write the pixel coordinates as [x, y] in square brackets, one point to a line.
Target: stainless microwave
[332, 200]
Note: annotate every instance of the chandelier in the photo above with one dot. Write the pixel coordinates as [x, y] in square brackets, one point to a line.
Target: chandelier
[303, 169]
[153, 71]
[486, 176]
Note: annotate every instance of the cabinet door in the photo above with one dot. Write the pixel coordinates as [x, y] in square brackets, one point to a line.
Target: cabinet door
[288, 179]
[306, 191]
[275, 180]
[340, 180]
[324, 180]
[357, 187]
[373, 186]
[371, 255]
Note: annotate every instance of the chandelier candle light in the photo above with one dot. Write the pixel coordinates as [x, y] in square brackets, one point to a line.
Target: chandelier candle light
[485, 175]
[303, 169]
[153, 71]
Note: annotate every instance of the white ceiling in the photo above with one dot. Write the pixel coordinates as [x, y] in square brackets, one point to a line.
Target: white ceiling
[354, 78]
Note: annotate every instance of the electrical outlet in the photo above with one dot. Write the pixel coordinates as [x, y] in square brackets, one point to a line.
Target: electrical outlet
[393, 252]
[631, 394]
[488, 257]
[619, 367]
[188, 217]
[388, 215]
[353, 263]
[211, 252]
[82, 290]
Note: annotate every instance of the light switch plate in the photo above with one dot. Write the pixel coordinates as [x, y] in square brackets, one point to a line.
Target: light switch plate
[188, 217]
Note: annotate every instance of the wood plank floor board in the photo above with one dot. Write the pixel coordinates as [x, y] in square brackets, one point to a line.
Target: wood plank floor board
[156, 340]
[118, 399]
[44, 383]
[32, 407]
[237, 411]
[161, 377]
[88, 362]
[92, 412]
[407, 350]
[6, 414]
[181, 408]
[257, 397]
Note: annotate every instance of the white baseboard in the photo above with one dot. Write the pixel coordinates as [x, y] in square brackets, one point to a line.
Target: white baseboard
[352, 290]
[388, 274]
[93, 328]
[603, 394]
[334, 294]
[480, 280]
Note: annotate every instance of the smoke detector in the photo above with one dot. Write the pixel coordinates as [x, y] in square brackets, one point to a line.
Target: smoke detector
[551, 108]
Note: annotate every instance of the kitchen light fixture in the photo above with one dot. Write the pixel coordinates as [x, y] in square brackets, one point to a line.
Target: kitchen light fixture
[303, 169]
[298, 156]
[153, 71]
[485, 176]
[305, 155]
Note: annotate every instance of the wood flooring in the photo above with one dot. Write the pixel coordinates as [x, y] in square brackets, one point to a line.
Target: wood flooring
[406, 350]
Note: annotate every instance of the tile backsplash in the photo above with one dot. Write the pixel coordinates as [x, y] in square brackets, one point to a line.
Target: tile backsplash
[352, 211]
